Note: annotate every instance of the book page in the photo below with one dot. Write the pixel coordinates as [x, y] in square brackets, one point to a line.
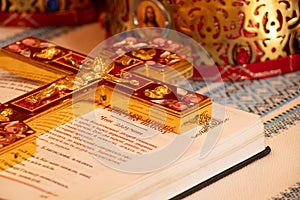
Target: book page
[12, 86]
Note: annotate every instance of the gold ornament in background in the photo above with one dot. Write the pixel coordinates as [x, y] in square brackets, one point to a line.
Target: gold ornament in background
[233, 32]
[20, 5]
[262, 29]
[114, 17]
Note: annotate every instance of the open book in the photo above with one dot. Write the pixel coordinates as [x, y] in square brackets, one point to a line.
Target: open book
[88, 152]
[103, 155]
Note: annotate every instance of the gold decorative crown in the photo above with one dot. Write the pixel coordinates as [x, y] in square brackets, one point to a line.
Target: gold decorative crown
[234, 32]
[241, 31]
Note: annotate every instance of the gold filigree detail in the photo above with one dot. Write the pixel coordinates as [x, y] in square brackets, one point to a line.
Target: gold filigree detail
[72, 61]
[47, 53]
[90, 70]
[262, 27]
[4, 119]
[158, 92]
[65, 84]
[204, 118]
[5, 114]
[144, 54]
[131, 82]
[125, 60]
[126, 80]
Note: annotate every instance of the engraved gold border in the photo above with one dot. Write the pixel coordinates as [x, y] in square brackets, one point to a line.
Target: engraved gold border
[64, 56]
[132, 88]
[38, 107]
[37, 91]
